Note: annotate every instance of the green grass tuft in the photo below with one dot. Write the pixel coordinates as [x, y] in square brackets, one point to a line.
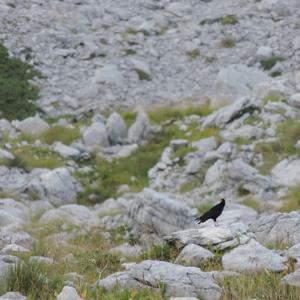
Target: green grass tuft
[162, 114]
[253, 203]
[61, 134]
[288, 133]
[264, 285]
[228, 42]
[33, 280]
[229, 20]
[268, 64]
[292, 200]
[193, 54]
[28, 158]
[17, 95]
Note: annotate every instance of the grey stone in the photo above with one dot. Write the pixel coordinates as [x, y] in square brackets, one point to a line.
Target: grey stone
[116, 129]
[294, 100]
[127, 250]
[292, 279]
[246, 132]
[32, 126]
[71, 214]
[294, 252]
[264, 52]
[12, 180]
[66, 151]
[6, 155]
[179, 281]
[217, 237]
[41, 260]
[193, 255]
[140, 129]
[58, 186]
[68, 293]
[253, 257]
[287, 172]
[13, 248]
[148, 215]
[95, 135]
[274, 227]
[13, 296]
[227, 114]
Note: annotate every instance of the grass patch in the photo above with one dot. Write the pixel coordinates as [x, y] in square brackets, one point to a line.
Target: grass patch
[28, 158]
[273, 98]
[288, 133]
[163, 252]
[253, 203]
[17, 95]
[181, 152]
[242, 141]
[228, 20]
[264, 285]
[268, 64]
[228, 42]
[128, 116]
[35, 280]
[143, 75]
[106, 177]
[291, 200]
[193, 54]
[160, 115]
[61, 134]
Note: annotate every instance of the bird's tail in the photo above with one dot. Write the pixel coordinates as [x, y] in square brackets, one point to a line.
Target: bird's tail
[199, 220]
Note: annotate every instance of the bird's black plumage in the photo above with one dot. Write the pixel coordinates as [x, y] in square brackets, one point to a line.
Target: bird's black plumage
[213, 213]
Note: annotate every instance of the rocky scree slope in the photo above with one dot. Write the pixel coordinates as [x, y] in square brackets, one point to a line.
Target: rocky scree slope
[105, 206]
[132, 52]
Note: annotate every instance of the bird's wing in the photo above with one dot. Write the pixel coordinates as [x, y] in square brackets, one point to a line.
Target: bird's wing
[204, 217]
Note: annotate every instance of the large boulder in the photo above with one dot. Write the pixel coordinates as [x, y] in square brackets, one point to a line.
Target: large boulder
[66, 151]
[226, 174]
[218, 237]
[95, 135]
[154, 215]
[235, 81]
[287, 172]
[32, 126]
[277, 227]
[140, 129]
[178, 280]
[228, 114]
[253, 257]
[193, 255]
[58, 186]
[74, 214]
[13, 180]
[116, 129]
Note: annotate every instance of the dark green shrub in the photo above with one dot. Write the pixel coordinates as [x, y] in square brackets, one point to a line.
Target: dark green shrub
[17, 95]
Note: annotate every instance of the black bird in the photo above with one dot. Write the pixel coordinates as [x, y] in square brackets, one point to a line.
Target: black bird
[213, 213]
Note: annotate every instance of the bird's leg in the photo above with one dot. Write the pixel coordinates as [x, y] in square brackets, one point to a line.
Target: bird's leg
[216, 223]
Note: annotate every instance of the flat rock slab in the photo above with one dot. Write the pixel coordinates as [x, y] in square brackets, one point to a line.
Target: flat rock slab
[219, 237]
[277, 227]
[179, 281]
[154, 215]
[253, 257]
